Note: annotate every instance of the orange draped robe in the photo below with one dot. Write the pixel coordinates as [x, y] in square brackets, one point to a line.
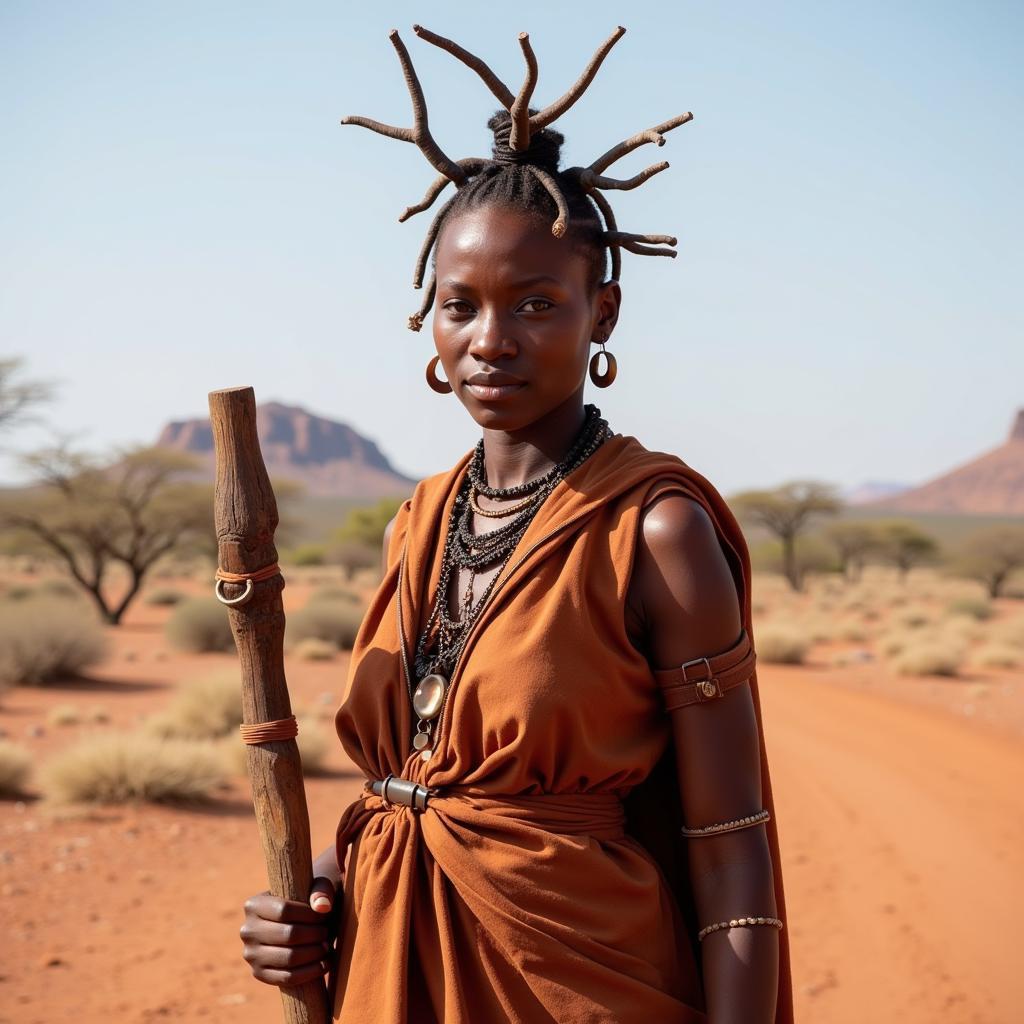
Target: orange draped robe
[547, 881]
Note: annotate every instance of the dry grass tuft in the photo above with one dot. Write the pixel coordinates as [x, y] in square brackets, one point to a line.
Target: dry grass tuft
[164, 597]
[335, 593]
[201, 710]
[43, 639]
[781, 645]
[975, 608]
[15, 768]
[336, 622]
[63, 715]
[314, 649]
[998, 655]
[120, 767]
[930, 656]
[199, 625]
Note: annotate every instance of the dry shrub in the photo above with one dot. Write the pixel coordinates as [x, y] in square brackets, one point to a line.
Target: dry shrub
[201, 710]
[975, 608]
[997, 655]
[781, 645]
[336, 622]
[1008, 631]
[15, 767]
[335, 593]
[930, 656]
[164, 597]
[851, 631]
[912, 618]
[200, 625]
[892, 643]
[64, 714]
[60, 588]
[119, 767]
[314, 649]
[44, 638]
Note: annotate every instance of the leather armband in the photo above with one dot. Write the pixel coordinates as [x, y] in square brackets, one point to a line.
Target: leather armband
[703, 679]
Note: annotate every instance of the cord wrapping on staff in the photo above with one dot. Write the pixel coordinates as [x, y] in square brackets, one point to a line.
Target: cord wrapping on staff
[268, 732]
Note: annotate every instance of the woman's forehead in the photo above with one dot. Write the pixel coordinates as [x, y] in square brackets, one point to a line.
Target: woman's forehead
[503, 242]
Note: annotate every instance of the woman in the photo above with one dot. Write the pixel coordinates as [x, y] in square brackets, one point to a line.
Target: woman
[568, 813]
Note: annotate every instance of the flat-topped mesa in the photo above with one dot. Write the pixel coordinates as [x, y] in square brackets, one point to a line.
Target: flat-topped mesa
[1017, 430]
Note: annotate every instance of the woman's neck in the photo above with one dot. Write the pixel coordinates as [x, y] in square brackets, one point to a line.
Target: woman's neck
[515, 457]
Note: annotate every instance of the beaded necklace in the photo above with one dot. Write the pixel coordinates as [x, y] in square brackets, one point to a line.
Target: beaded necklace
[442, 639]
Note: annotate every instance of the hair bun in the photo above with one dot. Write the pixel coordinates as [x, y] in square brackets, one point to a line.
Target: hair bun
[544, 150]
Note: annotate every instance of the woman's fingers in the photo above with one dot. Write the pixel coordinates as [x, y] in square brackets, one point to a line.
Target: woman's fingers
[275, 908]
[278, 933]
[286, 979]
[290, 957]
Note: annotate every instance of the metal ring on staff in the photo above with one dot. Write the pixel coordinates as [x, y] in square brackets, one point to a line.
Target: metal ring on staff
[232, 601]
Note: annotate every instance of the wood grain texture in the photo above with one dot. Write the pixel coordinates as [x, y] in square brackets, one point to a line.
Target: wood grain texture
[245, 515]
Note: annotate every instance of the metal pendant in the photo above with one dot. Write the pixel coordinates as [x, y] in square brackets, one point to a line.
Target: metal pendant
[429, 695]
[422, 736]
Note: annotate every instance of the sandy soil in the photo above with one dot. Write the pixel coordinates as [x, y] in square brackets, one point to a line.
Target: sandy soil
[900, 816]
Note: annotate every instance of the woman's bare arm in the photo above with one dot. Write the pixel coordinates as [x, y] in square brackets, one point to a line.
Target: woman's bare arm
[688, 600]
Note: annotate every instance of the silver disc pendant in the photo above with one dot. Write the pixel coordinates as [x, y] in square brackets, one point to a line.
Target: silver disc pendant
[429, 695]
[420, 740]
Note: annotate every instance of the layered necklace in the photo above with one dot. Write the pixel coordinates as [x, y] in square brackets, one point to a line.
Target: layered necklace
[441, 642]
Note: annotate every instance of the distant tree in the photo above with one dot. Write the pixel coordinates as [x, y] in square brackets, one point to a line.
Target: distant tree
[853, 542]
[367, 522]
[992, 556]
[18, 397]
[811, 555]
[90, 518]
[906, 545]
[786, 512]
[353, 555]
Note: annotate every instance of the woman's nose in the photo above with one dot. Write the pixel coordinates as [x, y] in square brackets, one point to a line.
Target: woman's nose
[491, 338]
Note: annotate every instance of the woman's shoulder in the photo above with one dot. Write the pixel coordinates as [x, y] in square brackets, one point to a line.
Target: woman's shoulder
[655, 473]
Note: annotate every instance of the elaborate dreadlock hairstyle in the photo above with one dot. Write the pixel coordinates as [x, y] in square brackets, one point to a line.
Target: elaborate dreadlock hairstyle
[523, 169]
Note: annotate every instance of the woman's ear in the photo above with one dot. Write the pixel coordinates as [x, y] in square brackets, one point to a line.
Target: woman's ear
[606, 305]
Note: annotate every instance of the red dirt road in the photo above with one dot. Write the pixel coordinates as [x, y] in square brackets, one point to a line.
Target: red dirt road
[903, 855]
[902, 837]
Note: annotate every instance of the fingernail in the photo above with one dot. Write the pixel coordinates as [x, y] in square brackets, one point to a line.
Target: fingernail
[321, 902]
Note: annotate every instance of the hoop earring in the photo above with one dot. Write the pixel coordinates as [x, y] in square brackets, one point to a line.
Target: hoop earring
[442, 387]
[603, 380]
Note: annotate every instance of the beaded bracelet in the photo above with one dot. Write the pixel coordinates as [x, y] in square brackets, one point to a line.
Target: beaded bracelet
[737, 922]
[728, 826]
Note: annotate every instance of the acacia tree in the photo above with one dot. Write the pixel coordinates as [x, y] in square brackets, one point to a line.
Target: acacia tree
[18, 396]
[853, 542]
[992, 556]
[906, 545]
[786, 512]
[90, 518]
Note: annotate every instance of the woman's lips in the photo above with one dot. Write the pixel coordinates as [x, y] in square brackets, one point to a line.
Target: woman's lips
[493, 392]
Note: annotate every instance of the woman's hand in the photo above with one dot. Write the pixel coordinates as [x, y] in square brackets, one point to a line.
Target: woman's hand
[286, 942]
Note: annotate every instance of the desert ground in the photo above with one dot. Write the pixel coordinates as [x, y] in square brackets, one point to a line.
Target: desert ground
[898, 798]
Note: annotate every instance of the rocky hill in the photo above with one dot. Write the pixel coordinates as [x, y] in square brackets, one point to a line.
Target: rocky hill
[328, 458]
[991, 484]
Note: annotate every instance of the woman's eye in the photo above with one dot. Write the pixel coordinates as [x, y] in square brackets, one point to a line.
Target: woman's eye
[458, 306]
[539, 305]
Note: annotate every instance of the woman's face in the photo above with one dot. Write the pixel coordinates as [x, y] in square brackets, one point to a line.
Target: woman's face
[512, 301]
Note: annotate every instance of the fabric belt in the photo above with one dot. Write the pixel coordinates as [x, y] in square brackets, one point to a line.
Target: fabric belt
[599, 815]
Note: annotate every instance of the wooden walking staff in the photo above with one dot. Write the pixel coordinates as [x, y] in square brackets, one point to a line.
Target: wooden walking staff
[249, 582]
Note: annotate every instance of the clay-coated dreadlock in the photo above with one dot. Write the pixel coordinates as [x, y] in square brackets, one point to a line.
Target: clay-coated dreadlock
[523, 169]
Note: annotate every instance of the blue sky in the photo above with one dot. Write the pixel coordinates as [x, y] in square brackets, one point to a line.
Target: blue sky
[181, 211]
